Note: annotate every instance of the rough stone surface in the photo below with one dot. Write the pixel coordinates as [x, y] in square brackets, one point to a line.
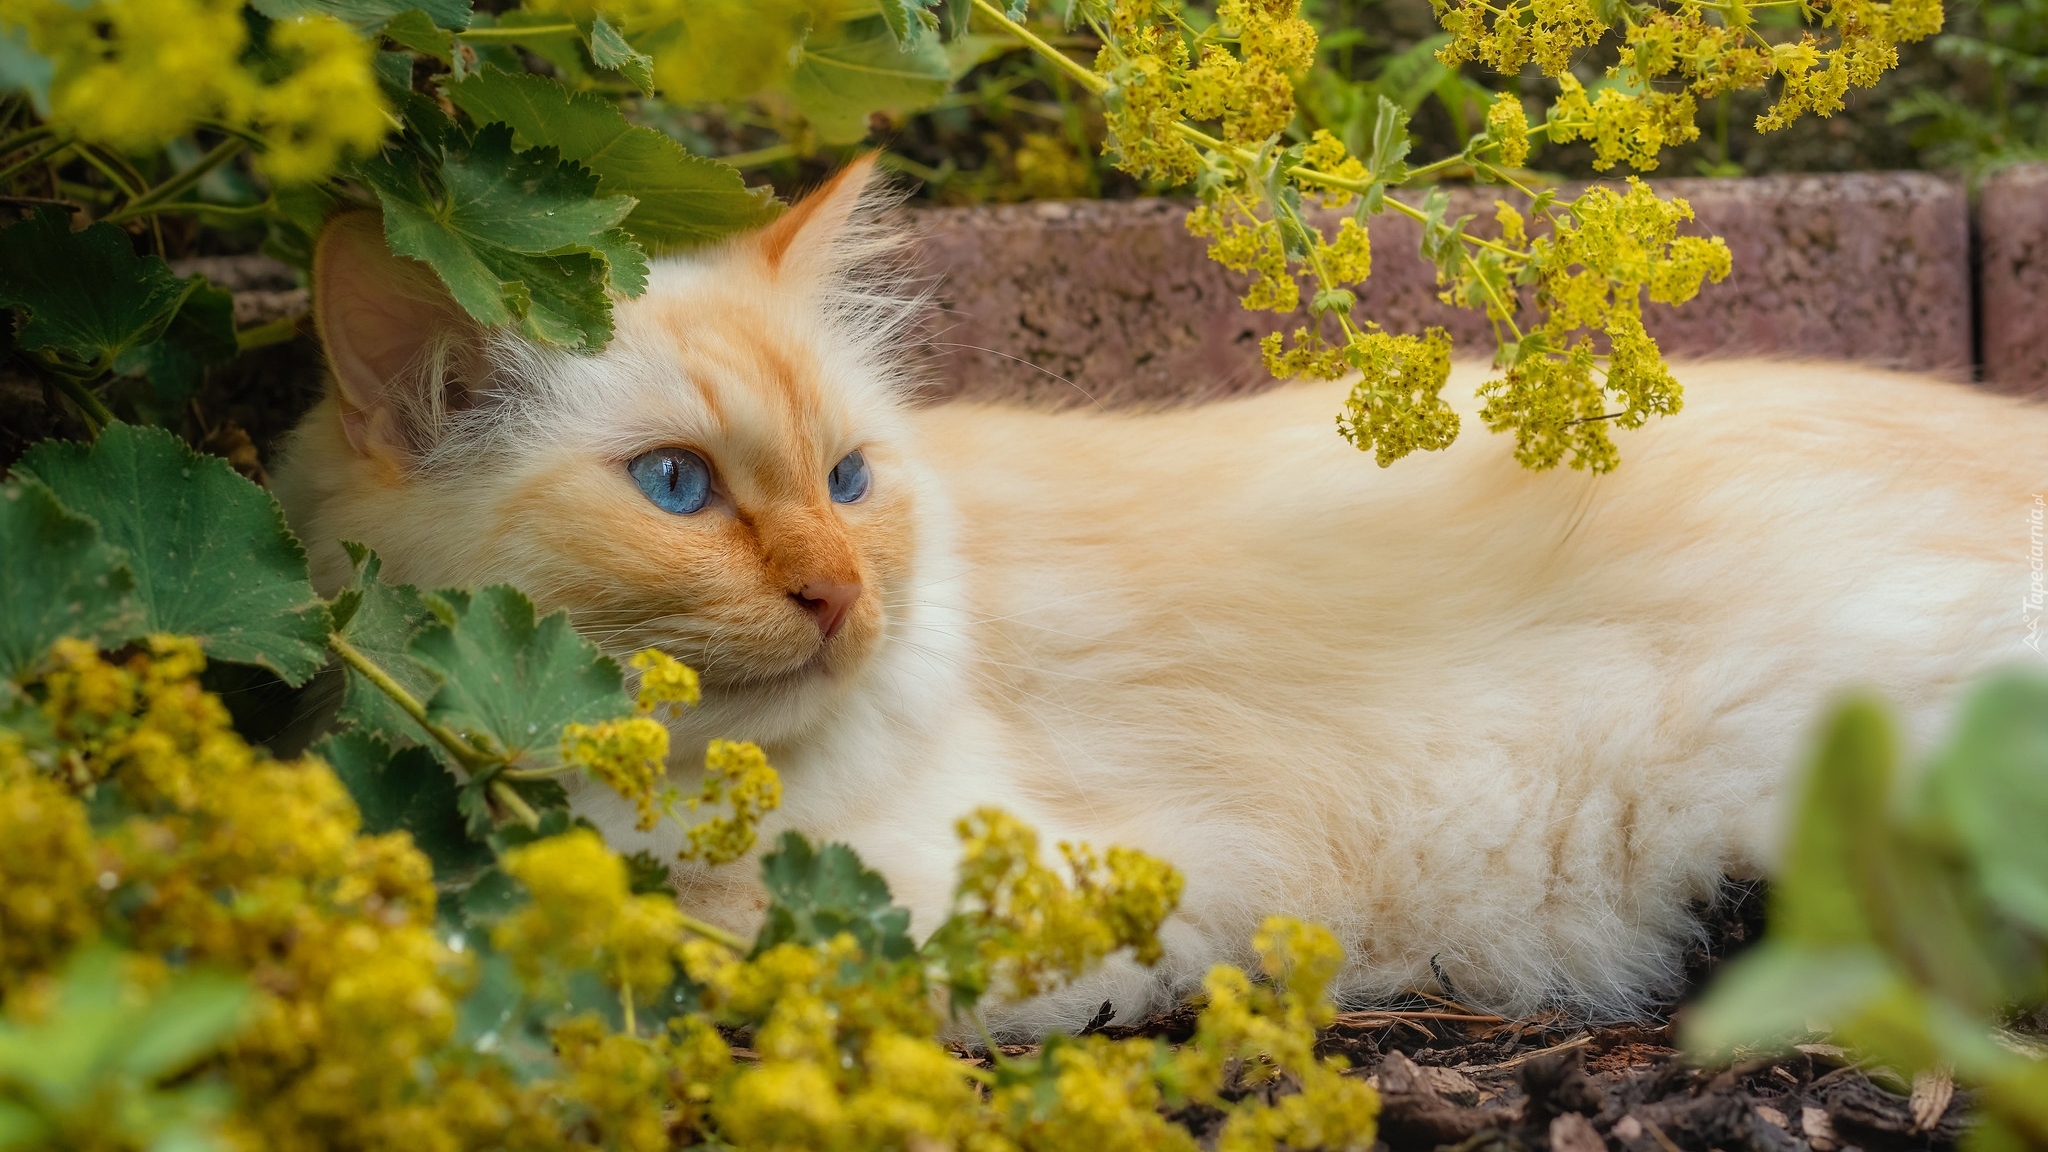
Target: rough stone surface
[2012, 229]
[1113, 302]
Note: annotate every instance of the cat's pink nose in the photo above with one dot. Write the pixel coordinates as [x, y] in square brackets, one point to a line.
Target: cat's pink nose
[828, 600]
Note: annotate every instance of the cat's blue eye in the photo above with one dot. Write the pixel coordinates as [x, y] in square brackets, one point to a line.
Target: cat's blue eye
[677, 480]
[849, 479]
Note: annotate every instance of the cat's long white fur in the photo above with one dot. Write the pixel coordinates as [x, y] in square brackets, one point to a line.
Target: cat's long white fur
[1507, 722]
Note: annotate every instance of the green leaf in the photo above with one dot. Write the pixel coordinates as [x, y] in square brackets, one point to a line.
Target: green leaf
[512, 679]
[683, 199]
[381, 620]
[515, 237]
[88, 298]
[847, 73]
[816, 894]
[1835, 880]
[190, 1016]
[1987, 793]
[57, 578]
[370, 15]
[1767, 997]
[416, 30]
[200, 336]
[208, 549]
[909, 20]
[407, 791]
[609, 50]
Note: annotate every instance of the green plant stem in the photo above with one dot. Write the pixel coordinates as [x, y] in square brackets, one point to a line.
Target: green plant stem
[469, 757]
[713, 933]
[183, 206]
[157, 198]
[23, 139]
[502, 34]
[1081, 74]
[95, 413]
[759, 156]
[38, 157]
[505, 794]
[116, 172]
[270, 332]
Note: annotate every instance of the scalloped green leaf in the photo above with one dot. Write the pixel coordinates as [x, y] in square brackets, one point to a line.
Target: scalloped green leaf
[57, 579]
[610, 50]
[380, 620]
[85, 297]
[369, 15]
[849, 72]
[511, 677]
[683, 199]
[518, 237]
[408, 790]
[208, 549]
[817, 893]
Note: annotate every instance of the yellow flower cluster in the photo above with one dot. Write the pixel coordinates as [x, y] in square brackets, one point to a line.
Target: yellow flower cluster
[1603, 254]
[1156, 83]
[737, 773]
[136, 74]
[664, 681]
[583, 916]
[1508, 125]
[1268, 1031]
[214, 856]
[1243, 242]
[1397, 407]
[1622, 127]
[1037, 932]
[1325, 153]
[631, 756]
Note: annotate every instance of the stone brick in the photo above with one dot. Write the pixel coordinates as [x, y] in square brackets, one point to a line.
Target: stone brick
[2012, 229]
[1068, 302]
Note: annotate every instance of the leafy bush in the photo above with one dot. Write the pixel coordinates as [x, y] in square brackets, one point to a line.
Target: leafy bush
[405, 939]
[1909, 916]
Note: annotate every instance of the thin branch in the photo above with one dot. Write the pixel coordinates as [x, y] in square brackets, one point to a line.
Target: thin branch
[155, 199]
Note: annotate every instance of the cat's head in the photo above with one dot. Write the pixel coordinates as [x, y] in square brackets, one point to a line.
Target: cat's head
[729, 479]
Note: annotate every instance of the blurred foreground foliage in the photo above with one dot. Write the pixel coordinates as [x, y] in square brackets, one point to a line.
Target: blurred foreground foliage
[1909, 919]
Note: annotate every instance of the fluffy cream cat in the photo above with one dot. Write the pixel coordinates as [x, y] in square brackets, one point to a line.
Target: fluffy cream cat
[1453, 709]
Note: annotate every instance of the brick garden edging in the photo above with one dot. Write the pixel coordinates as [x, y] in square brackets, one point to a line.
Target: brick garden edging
[1114, 302]
[2012, 284]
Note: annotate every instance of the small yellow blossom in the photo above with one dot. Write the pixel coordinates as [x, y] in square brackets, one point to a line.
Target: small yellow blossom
[630, 755]
[736, 773]
[663, 680]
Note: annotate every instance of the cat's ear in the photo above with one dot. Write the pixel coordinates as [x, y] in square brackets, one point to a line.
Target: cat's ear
[821, 234]
[400, 346]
